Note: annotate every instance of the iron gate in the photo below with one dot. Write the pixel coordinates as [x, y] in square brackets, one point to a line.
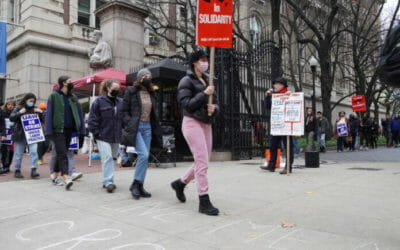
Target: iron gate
[243, 74]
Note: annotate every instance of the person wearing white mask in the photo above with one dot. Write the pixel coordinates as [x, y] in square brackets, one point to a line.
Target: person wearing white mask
[193, 94]
[26, 106]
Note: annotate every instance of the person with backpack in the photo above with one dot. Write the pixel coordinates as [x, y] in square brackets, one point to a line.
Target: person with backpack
[25, 107]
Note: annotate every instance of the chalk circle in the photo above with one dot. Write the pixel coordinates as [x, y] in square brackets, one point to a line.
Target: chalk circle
[20, 237]
[154, 246]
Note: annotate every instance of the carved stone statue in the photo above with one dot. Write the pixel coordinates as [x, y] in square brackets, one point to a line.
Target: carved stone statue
[101, 55]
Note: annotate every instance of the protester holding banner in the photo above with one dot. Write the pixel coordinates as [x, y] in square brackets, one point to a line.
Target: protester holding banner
[193, 93]
[141, 125]
[25, 116]
[7, 151]
[342, 130]
[105, 123]
[63, 118]
[279, 87]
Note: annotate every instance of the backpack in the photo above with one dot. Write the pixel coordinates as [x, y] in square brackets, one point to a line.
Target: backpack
[389, 61]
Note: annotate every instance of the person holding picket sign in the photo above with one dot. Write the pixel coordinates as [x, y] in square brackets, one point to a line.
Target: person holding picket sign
[25, 107]
[280, 86]
[7, 152]
[193, 94]
[105, 123]
[342, 130]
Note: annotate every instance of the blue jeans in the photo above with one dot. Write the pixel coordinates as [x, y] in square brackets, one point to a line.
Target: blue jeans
[143, 140]
[124, 155]
[108, 154]
[53, 160]
[19, 149]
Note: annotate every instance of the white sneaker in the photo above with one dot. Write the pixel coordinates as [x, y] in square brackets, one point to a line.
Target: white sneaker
[76, 176]
[68, 184]
[58, 182]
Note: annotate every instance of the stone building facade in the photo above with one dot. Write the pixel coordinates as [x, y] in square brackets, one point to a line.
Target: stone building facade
[56, 36]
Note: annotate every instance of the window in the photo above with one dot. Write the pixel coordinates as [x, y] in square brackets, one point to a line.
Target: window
[11, 11]
[86, 10]
[255, 29]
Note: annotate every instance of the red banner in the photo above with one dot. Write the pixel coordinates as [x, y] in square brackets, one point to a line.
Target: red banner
[214, 23]
[359, 103]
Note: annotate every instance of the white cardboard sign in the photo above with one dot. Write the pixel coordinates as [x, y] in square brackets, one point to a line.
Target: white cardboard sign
[287, 114]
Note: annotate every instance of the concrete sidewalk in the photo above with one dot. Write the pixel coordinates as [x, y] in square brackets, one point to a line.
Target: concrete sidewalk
[337, 206]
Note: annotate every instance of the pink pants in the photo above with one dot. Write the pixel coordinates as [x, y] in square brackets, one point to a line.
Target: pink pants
[198, 136]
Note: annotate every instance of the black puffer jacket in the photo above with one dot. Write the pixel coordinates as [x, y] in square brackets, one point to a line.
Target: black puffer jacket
[193, 100]
[131, 111]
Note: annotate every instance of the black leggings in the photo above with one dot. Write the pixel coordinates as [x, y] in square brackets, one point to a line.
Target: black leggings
[6, 155]
[61, 144]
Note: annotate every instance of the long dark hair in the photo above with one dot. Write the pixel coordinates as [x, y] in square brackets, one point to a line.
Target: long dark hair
[28, 96]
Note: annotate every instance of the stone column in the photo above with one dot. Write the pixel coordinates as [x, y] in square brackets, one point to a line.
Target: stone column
[122, 24]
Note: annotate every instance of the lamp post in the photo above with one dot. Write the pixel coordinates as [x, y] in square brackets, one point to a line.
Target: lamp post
[314, 64]
[312, 157]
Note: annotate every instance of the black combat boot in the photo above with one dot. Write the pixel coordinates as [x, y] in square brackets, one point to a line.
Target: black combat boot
[34, 173]
[206, 207]
[17, 174]
[143, 192]
[135, 190]
[179, 187]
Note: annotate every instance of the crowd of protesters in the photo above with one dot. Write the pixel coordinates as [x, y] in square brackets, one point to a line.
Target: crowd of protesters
[115, 123]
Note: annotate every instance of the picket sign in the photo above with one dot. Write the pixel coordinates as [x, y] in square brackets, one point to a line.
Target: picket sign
[8, 140]
[32, 128]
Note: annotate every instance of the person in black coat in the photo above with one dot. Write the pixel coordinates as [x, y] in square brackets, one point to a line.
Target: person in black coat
[105, 123]
[141, 127]
[6, 150]
[198, 115]
[25, 107]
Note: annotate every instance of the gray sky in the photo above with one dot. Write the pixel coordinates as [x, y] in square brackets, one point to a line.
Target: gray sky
[388, 10]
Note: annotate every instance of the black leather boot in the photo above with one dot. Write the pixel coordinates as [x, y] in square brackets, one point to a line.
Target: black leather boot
[179, 187]
[135, 190]
[206, 207]
[34, 173]
[3, 171]
[269, 168]
[17, 174]
[143, 192]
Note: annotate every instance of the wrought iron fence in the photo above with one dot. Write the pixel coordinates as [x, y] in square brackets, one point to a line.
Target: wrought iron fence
[243, 74]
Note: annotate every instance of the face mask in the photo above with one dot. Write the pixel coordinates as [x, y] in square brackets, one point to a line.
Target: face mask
[114, 92]
[146, 82]
[70, 86]
[203, 66]
[30, 104]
